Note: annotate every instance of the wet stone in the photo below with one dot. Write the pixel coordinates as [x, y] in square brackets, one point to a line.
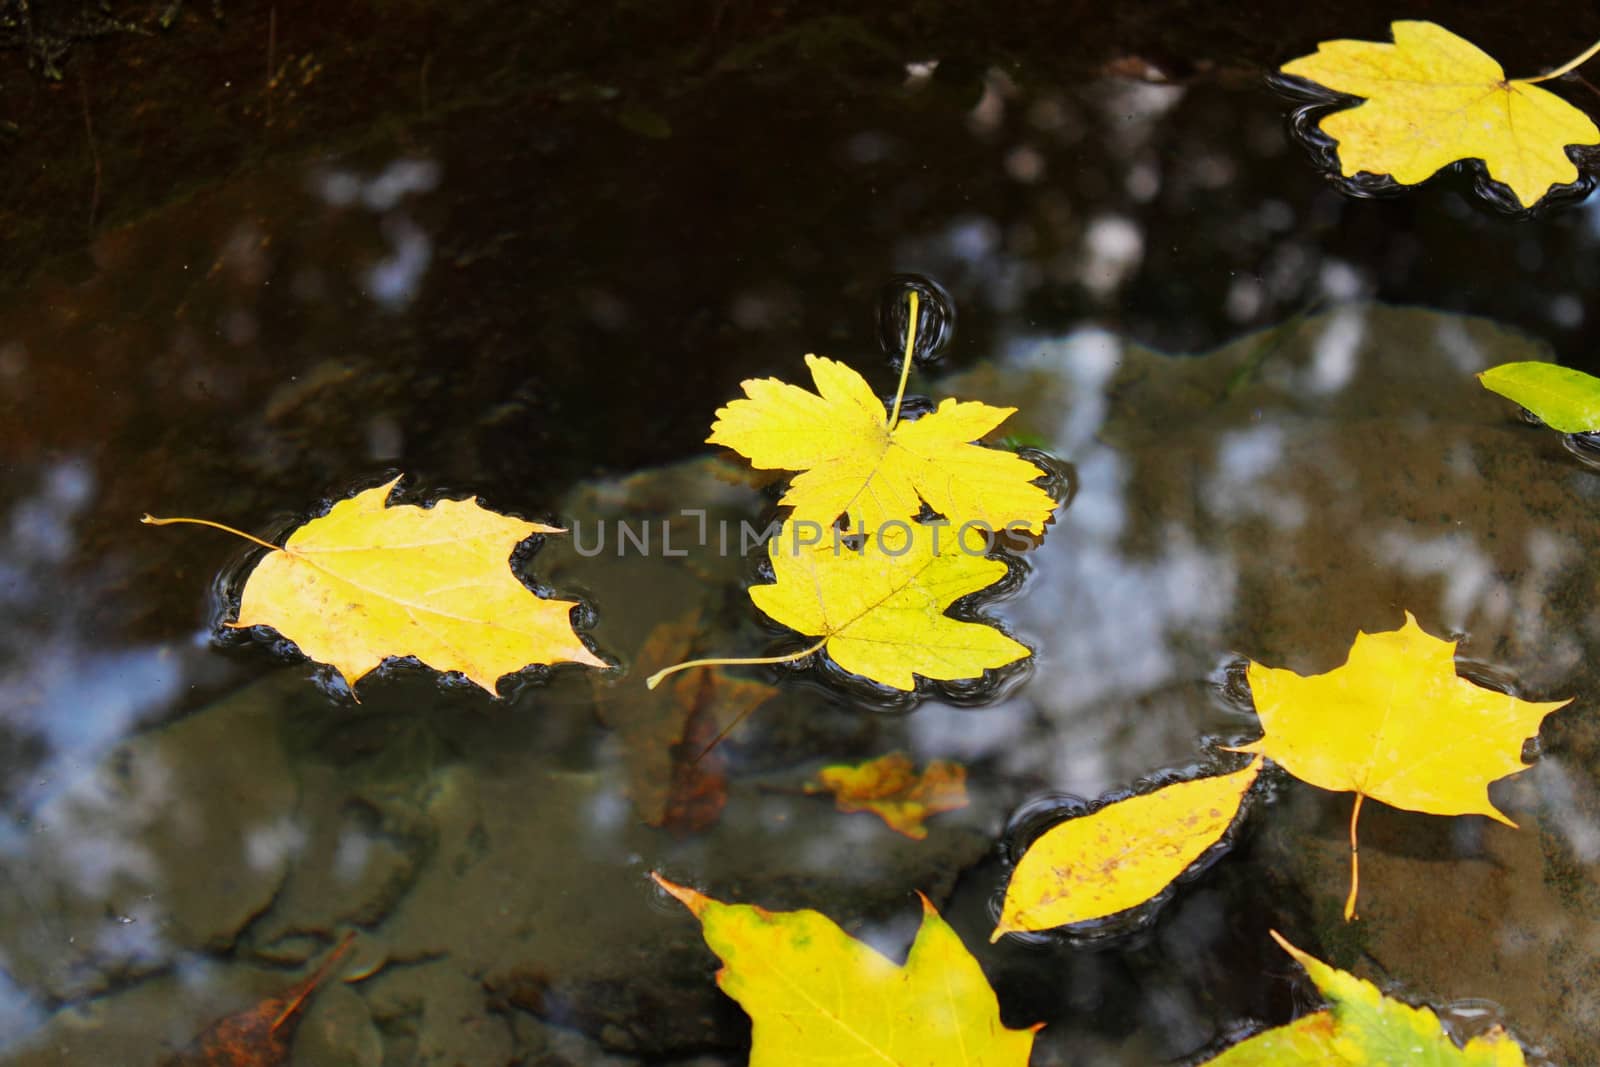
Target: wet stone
[435, 1015]
[338, 1028]
[1272, 498]
[361, 851]
[169, 846]
[1454, 910]
[540, 887]
[149, 1021]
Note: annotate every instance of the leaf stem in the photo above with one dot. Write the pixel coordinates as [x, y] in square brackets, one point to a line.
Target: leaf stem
[1568, 67]
[655, 679]
[1355, 861]
[724, 732]
[905, 364]
[298, 998]
[151, 520]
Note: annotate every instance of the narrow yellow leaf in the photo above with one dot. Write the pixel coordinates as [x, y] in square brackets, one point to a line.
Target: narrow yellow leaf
[1395, 723]
[817, 996]
[1120, 856]
[1432, 98]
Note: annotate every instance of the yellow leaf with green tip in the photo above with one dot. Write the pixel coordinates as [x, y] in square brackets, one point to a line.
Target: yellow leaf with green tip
[1364, 1028]
[1120, 856]
[1432, 98]
[815, 995]
[1308, 1040]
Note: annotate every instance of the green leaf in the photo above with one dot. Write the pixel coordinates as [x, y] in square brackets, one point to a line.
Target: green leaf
[1565, 399]
[1364, 1028]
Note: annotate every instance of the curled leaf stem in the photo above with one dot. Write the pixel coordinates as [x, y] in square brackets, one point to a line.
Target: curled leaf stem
[151, 520]
[722, 733]
[655, 679]
[305, 989]
[905, 364]
[1355, 861]
[1567, 67]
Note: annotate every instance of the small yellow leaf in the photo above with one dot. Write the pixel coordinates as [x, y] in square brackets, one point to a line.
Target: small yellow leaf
[891, 788]
[1432, 98]
[815, 995]
[854, 463]
[366, 582]
[880, 610]
[1120, 856]
[1396, 724]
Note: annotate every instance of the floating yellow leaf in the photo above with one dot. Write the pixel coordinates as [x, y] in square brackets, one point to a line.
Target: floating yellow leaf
[878, 601]
[1364, 1028]
[1298, 1044]
[815, 995]
[880, 608]
[1395, 723]
[1120, 856]
[366, 582]
[857, 462]
[1432, 98]
[891, 789]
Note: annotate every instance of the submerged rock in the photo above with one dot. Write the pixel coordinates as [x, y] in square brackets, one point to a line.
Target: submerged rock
[1269, 500]
[167, 847]
[148, 1022]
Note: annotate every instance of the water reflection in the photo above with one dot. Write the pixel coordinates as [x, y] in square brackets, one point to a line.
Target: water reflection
[64, 701]
[1274, 497]
[578, 311]
[1125, 604]
[1201, 484]
[393, 280]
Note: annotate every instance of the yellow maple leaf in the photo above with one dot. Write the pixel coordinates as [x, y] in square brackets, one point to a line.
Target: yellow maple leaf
[1394, 723]
[859, 462]
[1120, 856]
[880, 610]
[1432, 98]
[366, 582]
[890, 788]
[815, 995]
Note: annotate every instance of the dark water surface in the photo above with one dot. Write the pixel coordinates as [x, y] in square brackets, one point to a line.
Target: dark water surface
[253, 266]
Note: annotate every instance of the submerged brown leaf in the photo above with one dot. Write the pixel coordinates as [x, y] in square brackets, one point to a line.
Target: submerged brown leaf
[673, 780]
[260, 1036]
